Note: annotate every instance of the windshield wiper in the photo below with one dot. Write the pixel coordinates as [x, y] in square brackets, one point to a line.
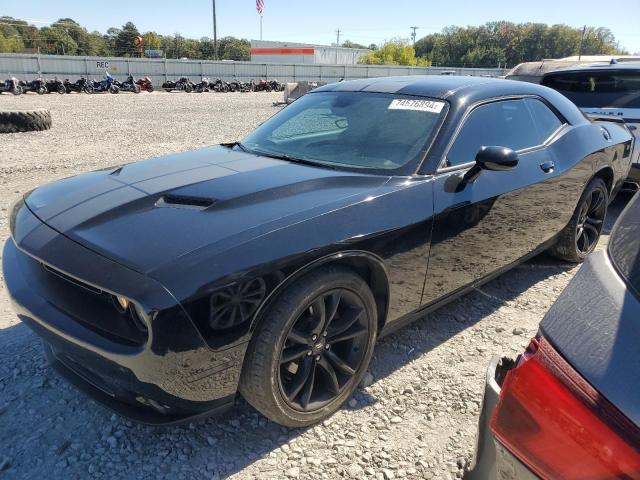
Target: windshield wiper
[288, 158]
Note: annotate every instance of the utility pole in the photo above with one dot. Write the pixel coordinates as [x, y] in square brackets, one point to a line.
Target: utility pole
[584, 31]
[337, 43]
[413, 35]
[215, 32]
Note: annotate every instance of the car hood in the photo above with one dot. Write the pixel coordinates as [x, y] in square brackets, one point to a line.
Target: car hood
[152, 212]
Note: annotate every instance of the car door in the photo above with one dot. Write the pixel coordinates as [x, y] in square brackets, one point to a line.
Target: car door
[486, 225]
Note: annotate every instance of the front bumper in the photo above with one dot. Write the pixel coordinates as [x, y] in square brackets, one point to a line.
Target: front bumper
[169, 376]
[492, 461]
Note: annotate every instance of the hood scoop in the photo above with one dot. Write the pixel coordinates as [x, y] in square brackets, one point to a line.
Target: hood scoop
[185, 201]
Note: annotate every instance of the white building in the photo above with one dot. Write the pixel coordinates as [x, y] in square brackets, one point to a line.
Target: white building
[263, 51]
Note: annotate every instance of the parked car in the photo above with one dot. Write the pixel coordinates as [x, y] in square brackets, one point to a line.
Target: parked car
[604, 89]
[11, 85]
[271, 266]
[569, 407]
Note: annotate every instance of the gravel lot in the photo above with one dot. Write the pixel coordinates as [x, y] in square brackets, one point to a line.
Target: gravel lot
[416, 420]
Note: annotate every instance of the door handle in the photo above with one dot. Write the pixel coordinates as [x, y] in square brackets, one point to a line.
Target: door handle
[548, 166]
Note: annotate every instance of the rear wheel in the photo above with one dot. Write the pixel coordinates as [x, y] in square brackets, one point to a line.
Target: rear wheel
[312, 348]
[580, 237]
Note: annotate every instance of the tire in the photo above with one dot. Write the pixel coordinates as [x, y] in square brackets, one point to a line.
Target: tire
[266, 376]
[25, 121]
[113, 89]
[62, 89]
[188, 88]
[17, 90]
[587, 218]
[136, 89]
[150, 88]
[41, 90]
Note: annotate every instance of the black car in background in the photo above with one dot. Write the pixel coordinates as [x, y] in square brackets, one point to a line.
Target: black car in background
[270, 266]
[569, 407]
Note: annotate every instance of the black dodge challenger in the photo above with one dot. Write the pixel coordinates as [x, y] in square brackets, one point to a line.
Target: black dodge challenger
[270, 266]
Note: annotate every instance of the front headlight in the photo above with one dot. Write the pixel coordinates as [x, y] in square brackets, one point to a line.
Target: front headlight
[123, 303]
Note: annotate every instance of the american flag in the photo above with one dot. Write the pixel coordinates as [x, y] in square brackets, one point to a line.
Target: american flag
[260, 7]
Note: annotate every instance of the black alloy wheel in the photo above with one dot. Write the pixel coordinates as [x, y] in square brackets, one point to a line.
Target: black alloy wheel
[580, 236]
[323, 350]
[311, 347]
[590, 221]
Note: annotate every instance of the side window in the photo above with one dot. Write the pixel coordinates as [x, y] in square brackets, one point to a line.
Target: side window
[547, 122]
[506, 123]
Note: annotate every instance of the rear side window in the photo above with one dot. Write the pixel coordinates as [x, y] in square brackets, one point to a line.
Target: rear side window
[546, 120]
[506, 123]
[598, 89]
[624, 245]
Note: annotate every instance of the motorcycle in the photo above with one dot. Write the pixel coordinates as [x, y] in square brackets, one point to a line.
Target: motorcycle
[203, 86]
[37, 85]
[183, 84]
[238, 86]
[276, 86]
[55, 85]
[262, 86]
[11, 85]
[129, 85]
[81, 85]
[105, 85]
[145, 84]
[220, 86]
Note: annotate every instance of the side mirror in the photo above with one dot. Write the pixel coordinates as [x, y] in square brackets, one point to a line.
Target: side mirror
[493, 158]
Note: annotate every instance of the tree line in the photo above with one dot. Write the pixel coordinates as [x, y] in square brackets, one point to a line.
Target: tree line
[490, 45]
[68, 37]
[507, 43]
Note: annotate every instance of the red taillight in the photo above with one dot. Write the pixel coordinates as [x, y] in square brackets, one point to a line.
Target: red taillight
[560, 426]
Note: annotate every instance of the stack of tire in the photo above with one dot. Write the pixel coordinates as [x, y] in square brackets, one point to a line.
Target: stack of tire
[24, 121]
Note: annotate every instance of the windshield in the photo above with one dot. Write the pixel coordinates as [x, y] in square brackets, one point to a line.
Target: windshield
[357, 130]
[598, 89]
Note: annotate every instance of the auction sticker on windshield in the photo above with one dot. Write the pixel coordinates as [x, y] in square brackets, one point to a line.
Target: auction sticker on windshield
[418, 105]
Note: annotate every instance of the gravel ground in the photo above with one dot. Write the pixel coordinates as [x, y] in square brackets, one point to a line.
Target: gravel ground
[417, 418]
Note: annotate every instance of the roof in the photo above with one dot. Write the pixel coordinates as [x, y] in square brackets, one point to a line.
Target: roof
[459, 91]
[631, 66]
[436, 86]
[533, 71]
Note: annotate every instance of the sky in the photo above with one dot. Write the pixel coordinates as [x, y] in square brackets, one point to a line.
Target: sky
[365, 22]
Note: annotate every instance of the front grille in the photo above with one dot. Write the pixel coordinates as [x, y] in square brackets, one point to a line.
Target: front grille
[91, 306]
